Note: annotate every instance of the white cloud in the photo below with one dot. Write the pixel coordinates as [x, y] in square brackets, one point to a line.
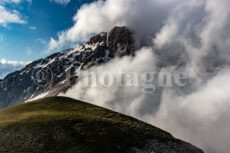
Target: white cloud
[14, 1]
[200, 27]
[201, 117]
[7, 66]
[29, 1]
[11, 1]
[7, 16]
[62, 2]
[116, 97]
[33, 28]
[41, 41]
[145, 18]
[13, 63]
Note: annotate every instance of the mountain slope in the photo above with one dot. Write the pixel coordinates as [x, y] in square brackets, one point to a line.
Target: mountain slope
[58, 72]
[63, 125]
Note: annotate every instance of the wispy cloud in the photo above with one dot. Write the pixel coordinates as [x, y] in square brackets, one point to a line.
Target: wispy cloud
[14, 1]
[62, 2]
[8, 66]
[10, 16]
[41, 41]
[29, 51]
[33, 28]
[11, 1]
[13, 63]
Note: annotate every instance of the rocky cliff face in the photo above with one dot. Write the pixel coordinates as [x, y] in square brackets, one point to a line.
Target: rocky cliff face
[59, 71]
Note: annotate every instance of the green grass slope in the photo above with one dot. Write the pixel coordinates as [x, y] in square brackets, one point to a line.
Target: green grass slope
[64, 125]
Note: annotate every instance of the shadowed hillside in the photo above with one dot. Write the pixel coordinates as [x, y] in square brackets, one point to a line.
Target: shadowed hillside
[63, 125]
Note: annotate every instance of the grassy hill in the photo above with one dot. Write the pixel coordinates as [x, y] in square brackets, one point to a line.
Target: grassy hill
[64, 125]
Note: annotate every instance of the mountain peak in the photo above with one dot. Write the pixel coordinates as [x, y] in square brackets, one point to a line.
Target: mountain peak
[48, 74]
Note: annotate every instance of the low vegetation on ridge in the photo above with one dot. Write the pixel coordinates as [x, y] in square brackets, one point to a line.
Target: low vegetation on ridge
[64, 125]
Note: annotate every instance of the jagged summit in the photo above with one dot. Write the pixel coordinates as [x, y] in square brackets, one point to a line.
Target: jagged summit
[51, 73]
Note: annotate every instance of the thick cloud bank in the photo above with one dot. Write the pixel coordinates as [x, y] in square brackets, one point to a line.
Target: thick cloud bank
[102, 15]
[192, 37]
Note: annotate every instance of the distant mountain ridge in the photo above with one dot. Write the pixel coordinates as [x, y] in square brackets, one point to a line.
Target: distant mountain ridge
[57, 72]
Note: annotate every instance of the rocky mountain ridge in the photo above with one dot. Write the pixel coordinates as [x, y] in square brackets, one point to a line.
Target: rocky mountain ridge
[58, 71]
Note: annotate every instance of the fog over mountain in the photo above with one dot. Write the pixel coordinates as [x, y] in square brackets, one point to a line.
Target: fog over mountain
[176, 36]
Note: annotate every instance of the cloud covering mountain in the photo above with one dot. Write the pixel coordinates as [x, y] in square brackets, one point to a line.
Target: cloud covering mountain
[190, 36]
[104, 15]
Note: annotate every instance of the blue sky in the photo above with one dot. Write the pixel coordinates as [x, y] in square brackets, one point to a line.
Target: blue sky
[25, 37]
